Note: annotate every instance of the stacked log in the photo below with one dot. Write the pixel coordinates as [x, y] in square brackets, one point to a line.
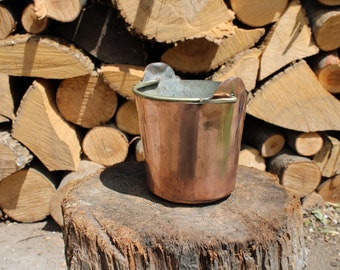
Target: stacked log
[66, 84]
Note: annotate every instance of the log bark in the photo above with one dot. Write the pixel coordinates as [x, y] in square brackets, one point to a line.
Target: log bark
[325, 24]
[201, 55]
[294, 99]
[296, 173]
[86, 169]
[42, 56]
[258, 13]
[126, 118]
[41, 128]
[304, 143]
[137, 230]
[25, 195]
[330, 189]
[86, 100]
[59, 10]
[110, 40]
[326, 66]
[249, 156]
[13, 155]
[244, 65]
[122, 78]
[266, 138]
[30, 21]
[106, 145]
[328, 158]
[184, 20]
[285, 41]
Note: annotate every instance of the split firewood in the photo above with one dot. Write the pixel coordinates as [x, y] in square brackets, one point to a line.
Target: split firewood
[25, 195]
[304, 143]
[249, 156]
[244, 65]
[42, 56]
[328, 158]
[110, 41]
[330, 189]
[31, 23]
[40, 127]
[201, 55]
[86, 100]
[325, 24]
[11, 91]
[289, 39]
[313, 200]
[296, 173]
[137, 145]
[258, 13]
[59, 10]
[266, 138]
[294, 99]
[106, 145]
[126, 118]
[329, 2]
[10, 12]
[13, 155]
[122, 78]
[85, 170]
[326, 66]
[169, 22]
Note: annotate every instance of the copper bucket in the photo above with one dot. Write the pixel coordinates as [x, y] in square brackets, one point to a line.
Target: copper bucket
[191, 132]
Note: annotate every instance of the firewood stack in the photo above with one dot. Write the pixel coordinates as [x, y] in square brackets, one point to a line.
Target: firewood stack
[67, 69]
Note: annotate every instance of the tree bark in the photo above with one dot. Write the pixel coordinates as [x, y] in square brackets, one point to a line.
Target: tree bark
[284, 42]
[30, 21]
[184, 20]
[13, 155]
[325, 24]
[294, 99]
[201, 55]
[126, 118]
[41, 128]
[42, 56]
[330, 189]
[122, 78]
[297, 174]
[113, 222]
[326, 66]
[106, 145]
[25, 194]
[258, 13]
[304, 143]
[86, 100]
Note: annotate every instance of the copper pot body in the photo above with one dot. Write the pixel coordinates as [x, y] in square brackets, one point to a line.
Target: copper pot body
[191, 150]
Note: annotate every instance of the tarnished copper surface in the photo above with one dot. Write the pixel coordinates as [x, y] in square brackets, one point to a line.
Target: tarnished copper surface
[191, 150]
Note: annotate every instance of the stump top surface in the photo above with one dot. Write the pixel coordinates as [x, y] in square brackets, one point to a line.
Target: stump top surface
[119, 202]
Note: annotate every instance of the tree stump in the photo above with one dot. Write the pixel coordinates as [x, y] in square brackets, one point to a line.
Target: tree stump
[112, 221]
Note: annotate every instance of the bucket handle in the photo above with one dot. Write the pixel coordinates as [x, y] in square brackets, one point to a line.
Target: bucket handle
[219, 96]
